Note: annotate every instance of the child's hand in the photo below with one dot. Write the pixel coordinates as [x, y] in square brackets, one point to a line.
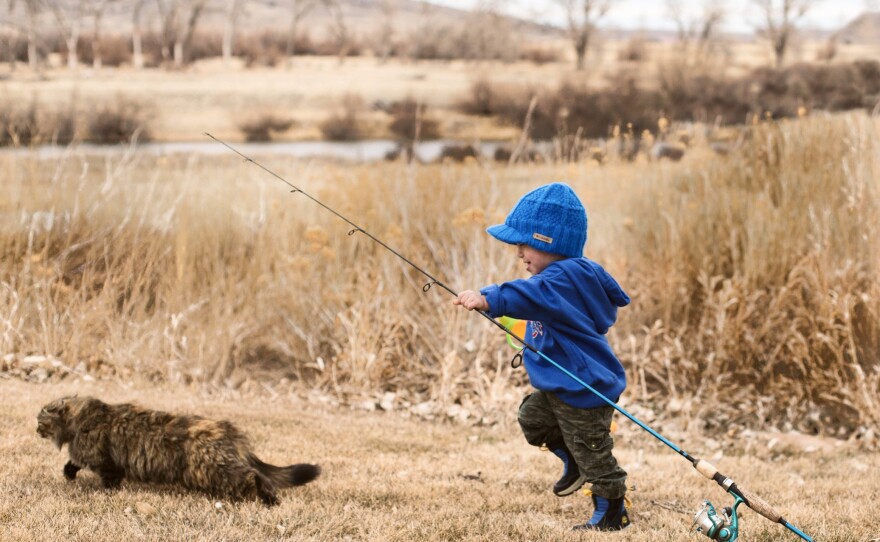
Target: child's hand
[471, 300]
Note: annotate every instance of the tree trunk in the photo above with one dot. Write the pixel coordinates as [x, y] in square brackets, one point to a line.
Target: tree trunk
[780, 44]
[232, 12]
[168, 15]
[178, 54]
[72, 58]
[97, 58]
[580, 49]
[191, 26]
[33, 54]
[137, 54]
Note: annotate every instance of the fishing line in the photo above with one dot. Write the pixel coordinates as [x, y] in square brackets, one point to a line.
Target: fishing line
[358, 229]
[722, 526]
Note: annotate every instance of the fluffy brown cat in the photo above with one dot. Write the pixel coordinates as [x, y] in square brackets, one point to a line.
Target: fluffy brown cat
[126, 441]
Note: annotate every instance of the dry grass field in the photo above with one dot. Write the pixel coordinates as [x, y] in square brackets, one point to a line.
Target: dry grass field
[392, 477]
[216, 98]
[197, 283]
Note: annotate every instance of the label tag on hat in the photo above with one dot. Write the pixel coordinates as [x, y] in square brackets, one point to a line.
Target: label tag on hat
[544, 238]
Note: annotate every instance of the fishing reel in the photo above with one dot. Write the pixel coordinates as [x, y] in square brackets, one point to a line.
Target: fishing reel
[723, 525]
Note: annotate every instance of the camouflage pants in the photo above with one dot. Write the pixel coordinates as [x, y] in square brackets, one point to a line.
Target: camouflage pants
[546, 420]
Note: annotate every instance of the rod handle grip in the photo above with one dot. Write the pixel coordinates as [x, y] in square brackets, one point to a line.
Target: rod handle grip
[706, 469]
[752, 500]
[760, 506]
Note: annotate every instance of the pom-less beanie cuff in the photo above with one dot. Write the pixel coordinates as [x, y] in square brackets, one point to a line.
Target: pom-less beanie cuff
[550, 218]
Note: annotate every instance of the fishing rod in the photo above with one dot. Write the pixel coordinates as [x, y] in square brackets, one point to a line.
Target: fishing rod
[718, 525]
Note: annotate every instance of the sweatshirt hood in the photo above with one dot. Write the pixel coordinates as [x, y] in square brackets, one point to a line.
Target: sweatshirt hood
[604, 293]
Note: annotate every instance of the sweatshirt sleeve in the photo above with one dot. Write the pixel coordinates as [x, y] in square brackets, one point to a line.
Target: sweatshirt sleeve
[570, 293]
[493, 298]
[526, 299]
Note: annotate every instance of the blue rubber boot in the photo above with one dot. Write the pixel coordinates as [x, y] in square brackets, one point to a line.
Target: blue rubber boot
[572, 479]
[609, 515]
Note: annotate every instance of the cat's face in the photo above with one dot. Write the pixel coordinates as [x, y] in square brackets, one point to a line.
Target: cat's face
[52, 421]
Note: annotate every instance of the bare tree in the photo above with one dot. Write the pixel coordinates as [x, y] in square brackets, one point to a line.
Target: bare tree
[137, 53]
[487, 34]
[179, 19]
[385, 39]
[234, 9]
[32, 10]
[299, 9]
[6, 37]
[168, 14]
[697, 32]
[96, 9]
[582, 17]
[779, 20]
[193, 10]
[69, 15]
[339, 29]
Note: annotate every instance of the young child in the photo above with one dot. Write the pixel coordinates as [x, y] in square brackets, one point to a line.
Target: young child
[569, 302]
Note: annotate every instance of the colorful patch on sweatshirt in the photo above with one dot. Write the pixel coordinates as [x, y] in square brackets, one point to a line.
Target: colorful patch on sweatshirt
[537, 329]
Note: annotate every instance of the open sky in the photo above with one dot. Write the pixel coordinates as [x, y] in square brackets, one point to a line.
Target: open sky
[653, 14]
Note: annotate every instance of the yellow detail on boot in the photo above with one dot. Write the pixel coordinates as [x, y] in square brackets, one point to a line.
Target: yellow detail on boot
[627, 502]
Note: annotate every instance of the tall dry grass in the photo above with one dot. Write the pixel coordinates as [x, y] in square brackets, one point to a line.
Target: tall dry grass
[756, 300]
[755, 280]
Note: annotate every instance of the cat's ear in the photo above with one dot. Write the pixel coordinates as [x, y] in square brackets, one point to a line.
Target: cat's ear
[58, 407]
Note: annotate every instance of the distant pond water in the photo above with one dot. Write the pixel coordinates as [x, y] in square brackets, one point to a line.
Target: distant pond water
[355, 151]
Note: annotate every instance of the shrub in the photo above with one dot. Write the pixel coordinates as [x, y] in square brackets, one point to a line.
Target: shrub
[332, 47]
[31, 125]
[540, 55]
[481, 37]
[260, 127]
[690, 96]
[683, 94]
[118, 122]
[13, 46]
[410, 121]
[481, 99]
[204, 45]
[458, 153]
[634, 50]
[574, 108]
[151, 49]
[115, 50]
[18, 126]
[344, 125]
[268, 48]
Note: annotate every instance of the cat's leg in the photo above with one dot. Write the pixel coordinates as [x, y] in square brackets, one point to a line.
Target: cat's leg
[111, 474]
[265, 490]
[70, 470]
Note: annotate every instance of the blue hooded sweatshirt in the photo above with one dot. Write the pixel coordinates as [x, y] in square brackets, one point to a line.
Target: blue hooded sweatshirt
[569, 306]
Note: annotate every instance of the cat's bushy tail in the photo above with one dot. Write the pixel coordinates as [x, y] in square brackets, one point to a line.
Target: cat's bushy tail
[292, 475]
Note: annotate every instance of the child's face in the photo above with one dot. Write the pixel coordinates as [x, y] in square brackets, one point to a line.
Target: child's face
[536, 260]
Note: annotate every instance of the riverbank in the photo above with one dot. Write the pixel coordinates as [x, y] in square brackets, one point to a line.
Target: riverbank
[349, 151]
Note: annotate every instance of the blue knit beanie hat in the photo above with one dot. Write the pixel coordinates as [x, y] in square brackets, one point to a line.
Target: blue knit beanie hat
[550, 218]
